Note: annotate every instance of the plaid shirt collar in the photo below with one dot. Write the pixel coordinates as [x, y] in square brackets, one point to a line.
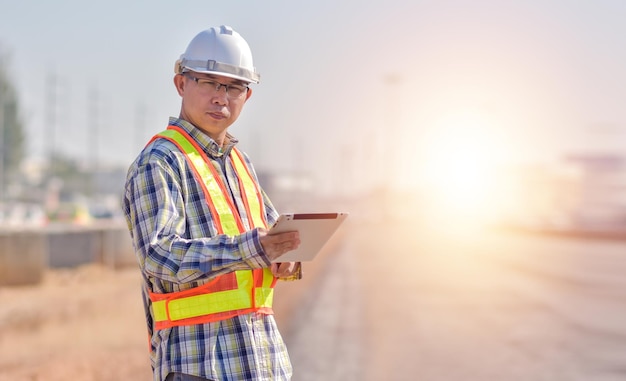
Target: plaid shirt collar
[209, 145]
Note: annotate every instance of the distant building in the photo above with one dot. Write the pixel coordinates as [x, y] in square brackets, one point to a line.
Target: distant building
[600, 189]
[581, 191]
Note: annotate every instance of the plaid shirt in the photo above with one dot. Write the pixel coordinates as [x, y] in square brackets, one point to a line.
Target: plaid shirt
[178, 248]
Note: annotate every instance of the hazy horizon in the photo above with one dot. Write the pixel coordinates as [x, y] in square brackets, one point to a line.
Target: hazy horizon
[487, 81]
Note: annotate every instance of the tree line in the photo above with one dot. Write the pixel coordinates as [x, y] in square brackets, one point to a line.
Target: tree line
[12, 135]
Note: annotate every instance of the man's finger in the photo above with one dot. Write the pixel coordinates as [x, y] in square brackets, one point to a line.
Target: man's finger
[278, 244]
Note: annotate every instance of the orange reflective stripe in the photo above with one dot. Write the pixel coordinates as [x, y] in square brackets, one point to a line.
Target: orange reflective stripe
[234, 293]
[249, 189]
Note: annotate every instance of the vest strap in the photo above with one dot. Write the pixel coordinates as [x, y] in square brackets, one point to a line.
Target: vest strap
[201, 305]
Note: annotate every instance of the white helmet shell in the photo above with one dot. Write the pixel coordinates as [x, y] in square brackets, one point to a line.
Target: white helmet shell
[220, 51]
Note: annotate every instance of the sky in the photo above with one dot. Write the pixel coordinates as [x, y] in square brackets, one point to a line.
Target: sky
[375, 91]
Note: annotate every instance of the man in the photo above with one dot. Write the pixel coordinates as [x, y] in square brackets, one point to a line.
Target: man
[198, 220]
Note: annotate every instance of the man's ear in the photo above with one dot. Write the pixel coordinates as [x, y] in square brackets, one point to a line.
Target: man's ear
[249, 93]
[179, 83]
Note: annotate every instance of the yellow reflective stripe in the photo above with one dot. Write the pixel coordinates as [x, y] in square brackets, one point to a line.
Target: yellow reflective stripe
[206, 304]
[250, 189]
[245, 279]
[227, 218]
[264, 296]
[268, 277]
[199, 305]
[159, 311]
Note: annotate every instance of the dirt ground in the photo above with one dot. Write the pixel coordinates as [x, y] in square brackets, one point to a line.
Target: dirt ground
[87, 323]
[80, 324]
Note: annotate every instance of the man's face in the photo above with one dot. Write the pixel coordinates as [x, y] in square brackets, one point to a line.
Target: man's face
[207, 108]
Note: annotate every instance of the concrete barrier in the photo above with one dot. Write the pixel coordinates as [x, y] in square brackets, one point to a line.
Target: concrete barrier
[71, 246]
[116, 247]
[23, 256]
[26, 253]
[105, 243]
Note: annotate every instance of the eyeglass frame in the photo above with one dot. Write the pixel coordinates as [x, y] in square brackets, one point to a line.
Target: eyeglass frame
[218, 85]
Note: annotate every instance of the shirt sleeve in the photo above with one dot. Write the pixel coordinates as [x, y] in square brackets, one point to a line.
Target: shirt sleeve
[156, 215]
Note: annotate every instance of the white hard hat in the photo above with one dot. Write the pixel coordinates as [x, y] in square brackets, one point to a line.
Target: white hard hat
[220, 51]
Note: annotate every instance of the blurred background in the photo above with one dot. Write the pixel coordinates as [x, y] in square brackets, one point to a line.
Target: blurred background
[479, 146]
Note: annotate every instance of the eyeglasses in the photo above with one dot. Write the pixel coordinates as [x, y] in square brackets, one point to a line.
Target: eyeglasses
[210, 86]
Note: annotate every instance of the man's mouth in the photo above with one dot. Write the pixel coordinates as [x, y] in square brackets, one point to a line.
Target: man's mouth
[217, 115]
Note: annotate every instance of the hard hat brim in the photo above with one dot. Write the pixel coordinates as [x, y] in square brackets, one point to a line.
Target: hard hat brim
[219, 68]
[222, 74]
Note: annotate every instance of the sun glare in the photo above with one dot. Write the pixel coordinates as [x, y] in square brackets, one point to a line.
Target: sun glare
[460, 169]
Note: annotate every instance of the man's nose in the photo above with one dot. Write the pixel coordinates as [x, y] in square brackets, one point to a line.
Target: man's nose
[220, 96]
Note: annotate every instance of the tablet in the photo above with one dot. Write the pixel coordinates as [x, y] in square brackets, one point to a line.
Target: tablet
[315, 229]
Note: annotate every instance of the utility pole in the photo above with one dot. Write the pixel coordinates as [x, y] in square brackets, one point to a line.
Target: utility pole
[140, 125]
[2, 147]
[50, 121]
[392, 132]
[93, 136]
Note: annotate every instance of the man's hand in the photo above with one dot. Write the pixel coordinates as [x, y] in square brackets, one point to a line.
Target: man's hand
[278, 244]
[284, 269]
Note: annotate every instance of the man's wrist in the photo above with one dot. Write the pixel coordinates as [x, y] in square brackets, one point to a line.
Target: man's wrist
[252, 251]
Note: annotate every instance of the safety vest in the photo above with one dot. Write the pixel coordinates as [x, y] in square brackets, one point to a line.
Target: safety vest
[234, 293]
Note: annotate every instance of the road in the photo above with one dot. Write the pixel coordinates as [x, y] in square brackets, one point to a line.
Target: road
[394, 304]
